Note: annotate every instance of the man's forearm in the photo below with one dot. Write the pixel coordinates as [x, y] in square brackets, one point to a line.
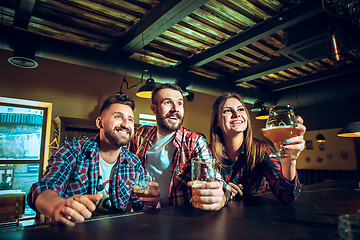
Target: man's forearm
[48, 202]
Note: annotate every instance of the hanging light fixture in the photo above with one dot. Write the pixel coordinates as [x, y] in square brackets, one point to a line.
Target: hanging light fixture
[350, 130]
[263, 114]
[257, 106]
[146, 90]
[24, 55]
[320, 138]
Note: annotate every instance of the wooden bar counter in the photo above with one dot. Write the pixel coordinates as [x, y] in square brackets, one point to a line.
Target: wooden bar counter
[314, 216]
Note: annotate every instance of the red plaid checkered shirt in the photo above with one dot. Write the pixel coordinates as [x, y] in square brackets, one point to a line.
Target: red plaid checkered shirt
[188, 144]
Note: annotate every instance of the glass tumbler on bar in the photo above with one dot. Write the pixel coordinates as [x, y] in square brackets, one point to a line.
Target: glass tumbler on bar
[142, 184]
[202, 170]
[281, 126]
[349, 227]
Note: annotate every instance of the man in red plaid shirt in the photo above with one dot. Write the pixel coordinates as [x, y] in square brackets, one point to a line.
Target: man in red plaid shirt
[98, 174]
[166, 150]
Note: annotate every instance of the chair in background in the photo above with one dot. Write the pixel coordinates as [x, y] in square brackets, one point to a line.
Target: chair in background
[12, 207]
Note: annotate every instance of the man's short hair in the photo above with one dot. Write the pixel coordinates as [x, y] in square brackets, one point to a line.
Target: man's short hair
[164, 86]
[122, 99]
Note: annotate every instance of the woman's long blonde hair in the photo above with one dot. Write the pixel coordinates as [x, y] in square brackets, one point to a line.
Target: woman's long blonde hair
[254, 148]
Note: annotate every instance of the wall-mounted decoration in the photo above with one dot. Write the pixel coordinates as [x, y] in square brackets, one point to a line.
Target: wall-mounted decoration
[319, 160]
[322, 147]
[344, 154]
[307, 159]
[329, 156]
[309, 145]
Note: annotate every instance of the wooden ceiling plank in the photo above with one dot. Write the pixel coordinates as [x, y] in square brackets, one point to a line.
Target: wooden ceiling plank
[175, 43]
[265, 48]
[194, 35]
[230, 15]
[204, 15]
[317, 76]
[148, 2]
[265, 68]
[155, 60]
[274, 42]
[233, 60]
[225, 65]
[272, 25]
[205, 73]
[296, 72]
[253, 11]
[204, 29]
[46, 28]
[90, 6]
[7, 17]
[78, 18]
[285, 74]
[246, 58]
[255, 53]
[168, 50]
[278, 77]
[102, 25]
[162, 17]
[127, 6]
[331, 62]
[179, 37]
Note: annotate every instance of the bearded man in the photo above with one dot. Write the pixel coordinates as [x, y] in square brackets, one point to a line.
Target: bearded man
[94, 176]
[166, 151]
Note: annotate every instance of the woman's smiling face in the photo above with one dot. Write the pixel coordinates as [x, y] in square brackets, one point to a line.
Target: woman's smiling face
[233, 118]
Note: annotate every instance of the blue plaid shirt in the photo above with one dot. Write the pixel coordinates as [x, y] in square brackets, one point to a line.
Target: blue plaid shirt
[74, 169]
[269, 169]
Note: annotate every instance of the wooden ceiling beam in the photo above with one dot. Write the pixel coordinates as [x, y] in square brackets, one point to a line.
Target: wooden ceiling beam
[162, 17]
[318, 76]
[270, 26]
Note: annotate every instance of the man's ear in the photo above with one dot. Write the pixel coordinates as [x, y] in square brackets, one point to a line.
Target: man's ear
[99, 124]
[153, 108]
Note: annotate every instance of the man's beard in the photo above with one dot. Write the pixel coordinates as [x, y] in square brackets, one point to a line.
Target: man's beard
[169, 127]
[116, 139]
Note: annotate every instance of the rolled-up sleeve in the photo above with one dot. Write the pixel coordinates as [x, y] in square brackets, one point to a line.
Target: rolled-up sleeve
[55, 177]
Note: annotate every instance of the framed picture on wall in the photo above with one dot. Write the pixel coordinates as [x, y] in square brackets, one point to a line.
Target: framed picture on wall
[309, 145]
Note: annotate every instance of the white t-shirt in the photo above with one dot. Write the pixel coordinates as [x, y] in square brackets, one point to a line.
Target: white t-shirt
[106, 173]
[159, 157]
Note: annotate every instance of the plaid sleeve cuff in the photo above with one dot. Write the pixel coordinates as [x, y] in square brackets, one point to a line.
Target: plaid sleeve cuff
[227, 192]
[35, 191]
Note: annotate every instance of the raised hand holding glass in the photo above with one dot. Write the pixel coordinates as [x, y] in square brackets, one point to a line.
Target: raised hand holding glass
[281, 126]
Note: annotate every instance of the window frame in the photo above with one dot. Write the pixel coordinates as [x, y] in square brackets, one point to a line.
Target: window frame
[45, 138]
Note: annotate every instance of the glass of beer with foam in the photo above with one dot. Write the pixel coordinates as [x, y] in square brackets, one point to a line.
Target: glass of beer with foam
[281, 126]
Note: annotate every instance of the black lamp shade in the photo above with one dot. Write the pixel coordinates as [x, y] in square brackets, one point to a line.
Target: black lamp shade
[350, 130]
[263, 114]
[258, 105]
[146, 90]
[320, 138]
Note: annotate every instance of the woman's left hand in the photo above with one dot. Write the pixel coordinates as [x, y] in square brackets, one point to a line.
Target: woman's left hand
[236, 189]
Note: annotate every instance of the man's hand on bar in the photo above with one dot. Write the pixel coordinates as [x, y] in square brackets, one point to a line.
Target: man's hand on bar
[210, 196]
[67, 211]
[152, 196]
